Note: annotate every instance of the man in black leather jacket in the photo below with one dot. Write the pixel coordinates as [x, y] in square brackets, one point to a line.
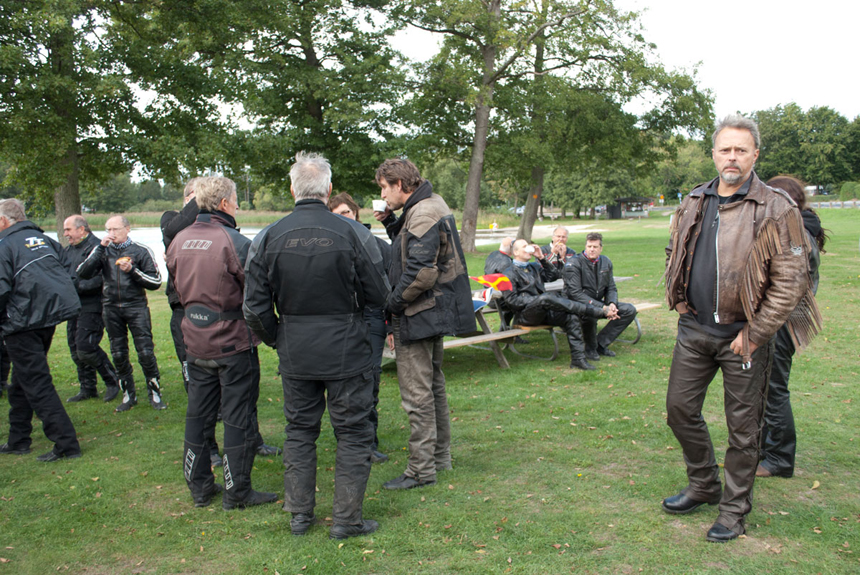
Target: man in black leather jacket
[84, 333]
[128, 270]
[308, 278]
[533, 305]
[589, 279]
[36, 293]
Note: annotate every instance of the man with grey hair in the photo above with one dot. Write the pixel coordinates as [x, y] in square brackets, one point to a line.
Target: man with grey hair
[128, 270]
[36, 293]
[319, 271]
[173, 222]
[84, 333]
[735, 270]
[223, 366]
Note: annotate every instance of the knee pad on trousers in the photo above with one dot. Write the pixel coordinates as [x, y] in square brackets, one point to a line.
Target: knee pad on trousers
[89, 358]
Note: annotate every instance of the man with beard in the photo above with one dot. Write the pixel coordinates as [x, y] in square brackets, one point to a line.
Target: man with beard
[430, 298]
[735, 270]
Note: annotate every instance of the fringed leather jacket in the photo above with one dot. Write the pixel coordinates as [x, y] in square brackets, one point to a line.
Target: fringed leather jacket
[762, 275]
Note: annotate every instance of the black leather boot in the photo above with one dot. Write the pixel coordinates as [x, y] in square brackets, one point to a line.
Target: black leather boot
[154, 390]
[129, 397]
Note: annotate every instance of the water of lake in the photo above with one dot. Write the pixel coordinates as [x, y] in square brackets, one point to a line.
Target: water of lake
[151, 238]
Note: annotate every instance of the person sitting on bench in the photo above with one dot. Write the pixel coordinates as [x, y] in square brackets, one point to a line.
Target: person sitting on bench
[588, 279]
[533, 305]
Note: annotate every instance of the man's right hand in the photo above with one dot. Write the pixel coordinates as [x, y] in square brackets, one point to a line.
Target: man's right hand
[380, 216]
[106, 240]
[681, 308]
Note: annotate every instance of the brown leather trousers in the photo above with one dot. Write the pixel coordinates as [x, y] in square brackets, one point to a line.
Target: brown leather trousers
[697, 357]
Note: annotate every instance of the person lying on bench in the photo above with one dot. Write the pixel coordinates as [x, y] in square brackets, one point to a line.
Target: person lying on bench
[588, 279]
[533, 305]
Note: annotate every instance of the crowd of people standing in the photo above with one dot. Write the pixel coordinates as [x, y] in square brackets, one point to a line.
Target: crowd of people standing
[319, 288]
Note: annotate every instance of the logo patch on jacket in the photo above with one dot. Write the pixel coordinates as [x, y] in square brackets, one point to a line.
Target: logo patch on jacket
[196, 245]
[34, 242]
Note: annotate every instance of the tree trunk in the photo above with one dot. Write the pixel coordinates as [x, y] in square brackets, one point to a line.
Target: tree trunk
[530, 212]
[67, 197]
[479, 145]
[533, 202]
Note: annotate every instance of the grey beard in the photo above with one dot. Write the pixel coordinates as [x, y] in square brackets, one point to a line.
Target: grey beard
[731, 178]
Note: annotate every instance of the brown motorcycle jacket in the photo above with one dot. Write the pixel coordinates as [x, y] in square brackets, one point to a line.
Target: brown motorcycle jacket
[762, 275]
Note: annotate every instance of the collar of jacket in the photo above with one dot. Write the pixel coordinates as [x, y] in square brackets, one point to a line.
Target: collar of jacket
[311, 204]
[218, 216]
[22, 225]
[422, 192]
[757, 193]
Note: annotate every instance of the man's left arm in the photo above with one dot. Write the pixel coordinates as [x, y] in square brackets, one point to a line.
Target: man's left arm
[788, 280]
[611, 296]
[420, 272]
[145, 272]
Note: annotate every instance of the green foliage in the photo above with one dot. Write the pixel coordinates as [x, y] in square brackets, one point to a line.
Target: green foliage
[270, 199]
[815, 146]
[849, 191]
[318, 76]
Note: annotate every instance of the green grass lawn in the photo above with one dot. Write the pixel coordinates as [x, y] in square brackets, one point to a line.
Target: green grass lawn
[555, 470]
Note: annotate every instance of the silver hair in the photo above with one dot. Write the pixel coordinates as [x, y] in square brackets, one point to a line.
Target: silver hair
[740, 123]
[310, 177]
[13, 210]
[191, 186]
[211, 190]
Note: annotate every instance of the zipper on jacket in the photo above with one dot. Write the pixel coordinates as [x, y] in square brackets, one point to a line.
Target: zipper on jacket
[717, 254]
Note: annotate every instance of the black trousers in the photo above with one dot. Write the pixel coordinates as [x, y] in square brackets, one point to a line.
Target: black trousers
[541, 312]
[376, 329]
[231, 384]
[5, 363]
[84, 334]
[349, 404]
[695, 361]
[32, 390]
[176, 315]
[779, 439]
[612, 329]
[121, 320]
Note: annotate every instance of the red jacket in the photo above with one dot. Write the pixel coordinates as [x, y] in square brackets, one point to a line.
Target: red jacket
[206, 261]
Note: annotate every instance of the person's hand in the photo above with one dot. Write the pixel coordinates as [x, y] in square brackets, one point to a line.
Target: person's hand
[390, 339]
[538, 252]
[737, 345]
[606, 311]
[559, 249]
[124, 264]
[681, 308]
[613, 312]
[107, 240]
[380, 216]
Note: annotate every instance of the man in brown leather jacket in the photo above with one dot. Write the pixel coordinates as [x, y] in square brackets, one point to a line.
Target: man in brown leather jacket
[735, 270]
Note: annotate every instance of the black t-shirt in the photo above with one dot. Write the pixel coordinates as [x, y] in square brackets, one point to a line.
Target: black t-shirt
[702, 290]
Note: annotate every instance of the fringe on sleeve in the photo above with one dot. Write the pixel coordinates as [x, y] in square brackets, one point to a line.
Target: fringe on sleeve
[805, 320]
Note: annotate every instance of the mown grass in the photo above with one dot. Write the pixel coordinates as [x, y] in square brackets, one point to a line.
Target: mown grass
[554, 470]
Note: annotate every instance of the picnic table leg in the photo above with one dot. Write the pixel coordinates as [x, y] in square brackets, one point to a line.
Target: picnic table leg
[497, 351]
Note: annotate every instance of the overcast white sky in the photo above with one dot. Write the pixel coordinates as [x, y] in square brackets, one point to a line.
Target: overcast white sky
[753, 55]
